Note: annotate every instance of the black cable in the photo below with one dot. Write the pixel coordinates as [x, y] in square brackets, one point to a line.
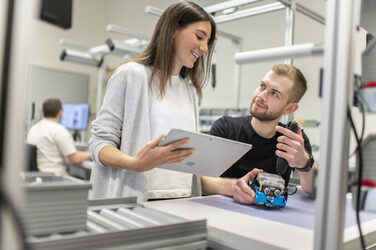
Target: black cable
[361, 103]
[361, 107]
[360, 175]
[295, 189]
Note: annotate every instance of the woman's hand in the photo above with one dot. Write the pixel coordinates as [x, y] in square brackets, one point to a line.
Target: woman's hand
[152, 155]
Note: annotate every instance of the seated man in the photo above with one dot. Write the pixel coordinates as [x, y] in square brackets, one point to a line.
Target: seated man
[278, 94]
[54, 142]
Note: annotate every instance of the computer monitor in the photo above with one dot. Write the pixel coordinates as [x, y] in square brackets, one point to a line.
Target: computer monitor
[75, 116]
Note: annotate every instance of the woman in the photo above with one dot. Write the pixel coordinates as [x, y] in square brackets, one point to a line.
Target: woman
[145, 98]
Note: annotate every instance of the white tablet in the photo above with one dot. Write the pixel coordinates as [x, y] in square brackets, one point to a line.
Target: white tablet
[213, 155]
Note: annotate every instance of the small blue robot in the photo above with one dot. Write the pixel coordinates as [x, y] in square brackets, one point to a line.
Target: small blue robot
[270, 190]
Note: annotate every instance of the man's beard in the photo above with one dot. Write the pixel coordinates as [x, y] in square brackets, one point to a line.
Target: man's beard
[266, 116]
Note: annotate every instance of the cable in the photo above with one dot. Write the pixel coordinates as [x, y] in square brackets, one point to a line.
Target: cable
[360, 175]
[295, 189]
[362, 103]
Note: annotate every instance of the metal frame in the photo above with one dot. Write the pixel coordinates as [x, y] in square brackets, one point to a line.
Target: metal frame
[227, 5]
[337, 95]
[290, 6]
[342, 19]
[94, 56]
[249, 12]
[126, 32]
[299, 50]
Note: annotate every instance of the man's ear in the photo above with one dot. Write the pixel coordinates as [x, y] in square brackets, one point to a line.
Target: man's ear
[60, 113]
[291, 108]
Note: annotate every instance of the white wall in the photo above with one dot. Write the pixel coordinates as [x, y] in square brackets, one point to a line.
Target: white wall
[89, 20]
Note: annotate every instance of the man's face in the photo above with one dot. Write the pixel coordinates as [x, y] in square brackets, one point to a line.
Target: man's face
[271, 98]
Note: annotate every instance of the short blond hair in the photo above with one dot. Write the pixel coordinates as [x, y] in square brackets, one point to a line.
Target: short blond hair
[300, 83]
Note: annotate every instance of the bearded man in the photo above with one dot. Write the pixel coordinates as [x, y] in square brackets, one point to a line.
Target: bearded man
[278, 94]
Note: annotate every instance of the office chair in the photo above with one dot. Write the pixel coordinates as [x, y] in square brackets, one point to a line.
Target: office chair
[31, 157]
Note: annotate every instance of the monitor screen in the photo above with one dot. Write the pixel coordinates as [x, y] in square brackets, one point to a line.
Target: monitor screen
[75, 116]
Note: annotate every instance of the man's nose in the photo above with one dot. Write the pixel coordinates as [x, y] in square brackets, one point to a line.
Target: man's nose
[263, 95]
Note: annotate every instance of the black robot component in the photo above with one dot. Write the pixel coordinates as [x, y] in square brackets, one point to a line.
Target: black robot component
[282, 164]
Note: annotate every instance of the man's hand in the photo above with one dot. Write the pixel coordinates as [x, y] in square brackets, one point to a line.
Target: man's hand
[242, 192]
[290, 146]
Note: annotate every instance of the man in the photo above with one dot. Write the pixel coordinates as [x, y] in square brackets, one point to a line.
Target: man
[54, 142]
[278, 94]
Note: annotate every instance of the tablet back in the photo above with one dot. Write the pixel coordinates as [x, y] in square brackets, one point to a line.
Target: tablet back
[213, 155]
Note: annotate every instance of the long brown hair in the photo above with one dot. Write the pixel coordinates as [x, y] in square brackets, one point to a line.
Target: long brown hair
[161, 50]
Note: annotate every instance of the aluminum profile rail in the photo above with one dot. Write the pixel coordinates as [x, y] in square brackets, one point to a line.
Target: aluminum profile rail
[300, 50]
[338, 83]
[126, 32]
[249, 12]
[305, 11]
[227, 5]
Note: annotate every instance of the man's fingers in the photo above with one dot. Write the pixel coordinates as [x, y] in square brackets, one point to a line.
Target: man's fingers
[250, 175]
[287, 132]
[300, 128]
[244, 197]
[243, 186]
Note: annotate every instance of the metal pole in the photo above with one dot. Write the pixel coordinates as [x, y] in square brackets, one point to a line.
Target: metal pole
[289, 40]
[13, 152]
[299, 50]
[237, 74]
[337, 92]
[249, 12]
[289, 31]
[303, 10]
[100, 86]
[227, 5]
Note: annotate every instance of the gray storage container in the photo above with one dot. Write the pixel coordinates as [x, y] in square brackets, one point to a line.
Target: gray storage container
[123, 224]
[53, 204]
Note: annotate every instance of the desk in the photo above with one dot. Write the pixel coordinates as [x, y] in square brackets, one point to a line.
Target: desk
[235, 226]
[82, 170]
[81, 146]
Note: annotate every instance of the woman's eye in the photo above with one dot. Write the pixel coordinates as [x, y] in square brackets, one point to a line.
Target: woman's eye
[199, 37]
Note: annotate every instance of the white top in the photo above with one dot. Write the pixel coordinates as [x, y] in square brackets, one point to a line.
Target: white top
[54, 143]
[175, 110]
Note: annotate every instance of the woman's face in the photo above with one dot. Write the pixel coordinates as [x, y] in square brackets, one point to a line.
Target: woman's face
[191, 43]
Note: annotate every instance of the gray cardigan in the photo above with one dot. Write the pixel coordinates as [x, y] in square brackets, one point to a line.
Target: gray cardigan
[124, 122]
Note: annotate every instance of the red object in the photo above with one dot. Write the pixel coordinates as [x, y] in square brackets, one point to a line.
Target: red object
[369, 85]
[368, 183]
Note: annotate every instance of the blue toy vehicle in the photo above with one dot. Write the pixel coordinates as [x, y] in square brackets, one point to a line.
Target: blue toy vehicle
[270, 190]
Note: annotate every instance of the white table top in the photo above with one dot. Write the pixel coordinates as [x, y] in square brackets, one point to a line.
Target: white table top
[233, 225]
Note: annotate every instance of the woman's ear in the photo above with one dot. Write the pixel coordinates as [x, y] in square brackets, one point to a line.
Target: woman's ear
[291, 108]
